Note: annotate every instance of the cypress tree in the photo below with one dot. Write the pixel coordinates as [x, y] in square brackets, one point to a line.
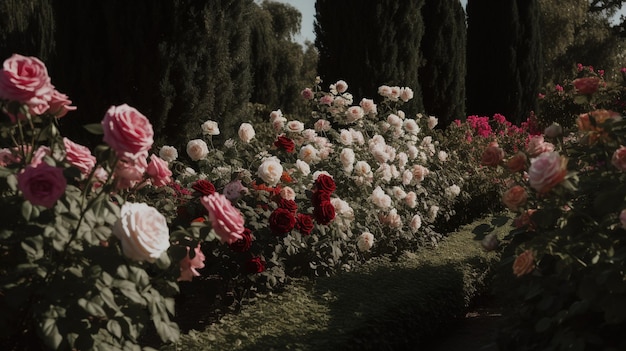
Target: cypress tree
[503, 66]
[442, 77]
[370, 43]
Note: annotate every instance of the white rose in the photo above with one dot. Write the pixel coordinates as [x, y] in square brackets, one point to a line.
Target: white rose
[341, 86]
[407, 177]
[416, 223]
[365, 241]
[279, 123]
[322, 125]
[432, 122]
[443, 156]
[380, 199]
[294, 126]
[368, 106]
[411, 127]
[347, 157]
[406, 94]
[168, 153]
[357, 136]
[246, 132]
[309, 135]
[309, 154]
[143, 232]
[411, 199]
[345, 137]
[197, 149]
[354, 113]
[270, 171]
[210, 128]
[275, 114]
[394, 120]
[362, 168]
[303, 167]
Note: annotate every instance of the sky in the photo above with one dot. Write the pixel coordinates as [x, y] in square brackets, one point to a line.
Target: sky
[307, 9]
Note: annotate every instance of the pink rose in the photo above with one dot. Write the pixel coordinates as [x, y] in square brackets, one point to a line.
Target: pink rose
[189, 265]
[537, 145]
[25, 79]
[42, 185]
[546, 171]
[515, 197]
[59, 104]
[158, 171]
[307, 94]
[586, 85]
[524, 263]
[619, 158]
[127, 131]
[39, 154]
[492, 156]
[129, 172]
[79, 156]
[226, 220]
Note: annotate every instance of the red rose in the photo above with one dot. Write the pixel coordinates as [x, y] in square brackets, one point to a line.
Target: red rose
[255, 265]
[304, 223]
[243, 244]
[204, 187]
[282, 221]
[492, 156]
[325, 183]
[586, 85]
[324, 213]
[319, 197]
[285, 143]
[290, 205]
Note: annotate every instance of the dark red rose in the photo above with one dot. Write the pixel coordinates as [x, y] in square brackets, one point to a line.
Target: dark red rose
[204, 187]
[325, 183]
[287, 204]
[324, 213]
[243, 244]
[282, 221]
[255, 265]
[319, 196]
[304, 223]
[285, 143]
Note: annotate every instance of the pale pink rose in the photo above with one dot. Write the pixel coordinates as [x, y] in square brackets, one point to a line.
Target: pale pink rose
[309, 154]
[395, 93]
[226, 220]
[143, 232]
[42, 185]
[303, 167]
[279, 123]
[420, 172]
[189, 265]
[159, 171]
[327, 100]
[347, 157]
[394, 120]
[365, 241]
[406, 94]
[25, 79]
[362, 168]
[197, 149]
[288, 193]
[432, 122]
[354, 113]
[398, 193]
[416, 223]
[368, 106]
[246, 132]
[322, 125]
[411, 199]
[129, 172]
[412, 151]
[622, 218]
[341, 86]
[234, 190]
[275, 114]
[309, 135]
[79, 156]
[380, 199]
[537, 145]
[547, 171]
[59, 104]
[384, 91]
[39, 155]
[442, 155]
[7, 157]
[168, 153]
[392, 219]
[340, 101]
[307, 94]
[411, 127]
[619, 159]
[345, 137]
[407, 177]
[294, 126]
[270, 171]
[210, 128]
[127, 131]
[433, 211]
[357, 136]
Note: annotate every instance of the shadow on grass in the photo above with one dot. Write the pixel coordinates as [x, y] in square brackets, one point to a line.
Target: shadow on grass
[382, 309]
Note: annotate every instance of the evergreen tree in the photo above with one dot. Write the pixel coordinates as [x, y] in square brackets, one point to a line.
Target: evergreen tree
[502, 64]
[27, 28]
[442, 78]
[370, 43]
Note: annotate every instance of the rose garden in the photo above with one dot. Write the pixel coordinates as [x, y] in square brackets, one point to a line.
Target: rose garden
[117, 247]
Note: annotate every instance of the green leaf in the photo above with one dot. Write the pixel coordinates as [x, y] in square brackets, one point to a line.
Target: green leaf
[33, 246]
[168, 331]
[50, 333]
[94, 128]
[114, 328]
[91, 307]
[27, 210]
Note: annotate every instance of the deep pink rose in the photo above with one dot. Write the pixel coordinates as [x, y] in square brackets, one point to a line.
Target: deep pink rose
[158, 171]
[226, 220]
[42, 185]
[59, 104]
[127, 131]
[25, 79]
[547, 171]
[586, 85]
[189, 265]
[79, 156]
